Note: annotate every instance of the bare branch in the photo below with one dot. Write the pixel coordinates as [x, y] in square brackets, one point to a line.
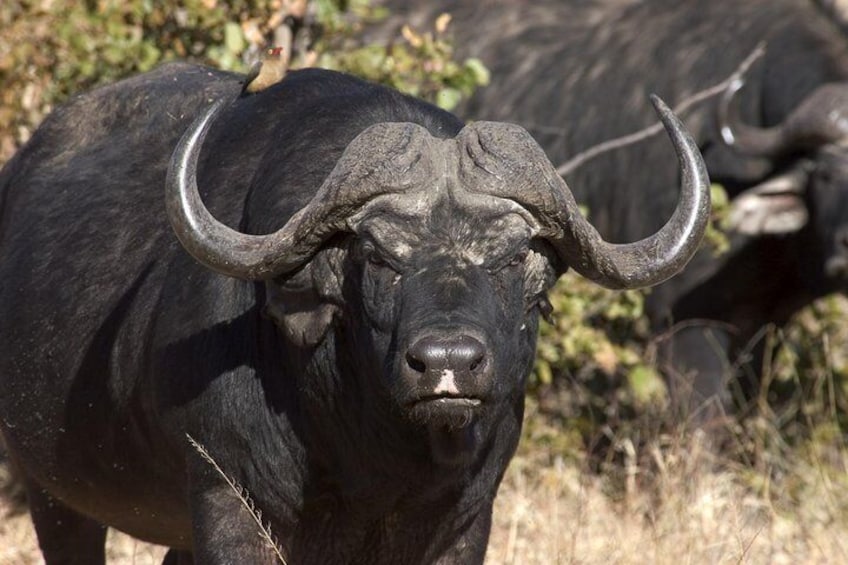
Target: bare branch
[654, 129]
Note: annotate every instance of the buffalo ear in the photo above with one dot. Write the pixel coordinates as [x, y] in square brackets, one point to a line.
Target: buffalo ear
[301, 315]
[776, 206]
[305, 305]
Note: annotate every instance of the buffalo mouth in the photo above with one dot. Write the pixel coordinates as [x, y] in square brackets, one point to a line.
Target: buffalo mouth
[449, 411]
[449, 400]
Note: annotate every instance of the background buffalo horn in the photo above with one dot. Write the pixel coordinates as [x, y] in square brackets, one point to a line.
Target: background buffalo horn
[518, 169]
[820, 118]
[374, 163]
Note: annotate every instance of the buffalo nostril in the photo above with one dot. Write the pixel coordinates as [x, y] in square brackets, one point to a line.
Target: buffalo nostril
[460, 354]
[476, 358]
[415, 364]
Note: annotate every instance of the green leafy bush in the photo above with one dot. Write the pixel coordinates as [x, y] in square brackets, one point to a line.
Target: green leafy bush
[50, 50]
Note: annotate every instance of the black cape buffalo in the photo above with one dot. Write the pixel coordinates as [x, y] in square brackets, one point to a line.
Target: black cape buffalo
[345, 321]
[575, 74]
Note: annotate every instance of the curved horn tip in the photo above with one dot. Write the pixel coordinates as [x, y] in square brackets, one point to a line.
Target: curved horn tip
[202, 125]
[726, 132]
[727, 135]
[666, 114]
[186, 152]
[660, 107]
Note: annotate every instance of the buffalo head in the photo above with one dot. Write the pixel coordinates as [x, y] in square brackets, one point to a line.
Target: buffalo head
[811, 192]
[435, 255]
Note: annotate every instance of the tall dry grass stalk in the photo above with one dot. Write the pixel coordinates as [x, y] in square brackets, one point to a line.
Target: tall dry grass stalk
[263, 528]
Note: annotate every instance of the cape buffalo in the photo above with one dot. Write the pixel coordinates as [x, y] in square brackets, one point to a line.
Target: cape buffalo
[352, 351]
[575, 74]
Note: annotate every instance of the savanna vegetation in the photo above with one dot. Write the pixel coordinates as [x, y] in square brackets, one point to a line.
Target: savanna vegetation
[605, 472]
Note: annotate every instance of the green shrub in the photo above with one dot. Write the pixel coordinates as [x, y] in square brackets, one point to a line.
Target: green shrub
[50, 50]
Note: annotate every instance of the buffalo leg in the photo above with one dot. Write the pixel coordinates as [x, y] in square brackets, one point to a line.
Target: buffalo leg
[696, 360]
[224, 531]
[65, 536]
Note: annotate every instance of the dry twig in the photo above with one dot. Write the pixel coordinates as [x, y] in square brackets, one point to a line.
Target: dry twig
[682, 107]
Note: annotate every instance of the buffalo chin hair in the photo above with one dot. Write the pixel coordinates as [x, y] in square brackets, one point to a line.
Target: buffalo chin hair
[453, 447]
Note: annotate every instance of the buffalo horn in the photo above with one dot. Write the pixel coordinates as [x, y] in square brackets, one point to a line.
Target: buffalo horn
[820, 118]
[660, 256]
[370, 166]
[518, 170]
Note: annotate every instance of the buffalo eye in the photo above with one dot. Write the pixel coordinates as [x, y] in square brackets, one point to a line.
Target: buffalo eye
[378, 260]
[519, 258]
[372, 255]
[375, 259]
[515, 261]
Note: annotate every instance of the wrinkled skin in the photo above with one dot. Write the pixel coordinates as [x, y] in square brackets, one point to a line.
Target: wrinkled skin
[577, 74]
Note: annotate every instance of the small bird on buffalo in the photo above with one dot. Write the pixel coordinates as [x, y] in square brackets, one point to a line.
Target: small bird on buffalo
[270, 70]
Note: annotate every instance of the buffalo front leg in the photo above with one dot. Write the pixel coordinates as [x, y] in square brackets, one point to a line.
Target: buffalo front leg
[225, 523]
[65, 536]
[695, 358]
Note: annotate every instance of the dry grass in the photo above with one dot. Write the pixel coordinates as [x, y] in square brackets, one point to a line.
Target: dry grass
[676, 505]
[692, 510]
